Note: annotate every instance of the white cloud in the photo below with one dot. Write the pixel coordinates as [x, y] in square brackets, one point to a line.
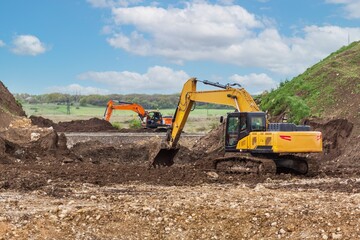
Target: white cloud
[28, 45]
[254, 83]
[228, 34]
[156, 79]
[2, 44]
[77, 89]
[351, 7]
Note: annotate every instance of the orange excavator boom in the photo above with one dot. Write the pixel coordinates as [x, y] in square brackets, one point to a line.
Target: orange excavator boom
[111, 105]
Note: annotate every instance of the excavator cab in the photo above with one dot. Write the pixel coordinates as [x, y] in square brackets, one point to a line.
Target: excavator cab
[240, 124]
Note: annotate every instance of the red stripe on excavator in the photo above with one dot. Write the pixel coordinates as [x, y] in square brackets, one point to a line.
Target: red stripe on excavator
[287, 138]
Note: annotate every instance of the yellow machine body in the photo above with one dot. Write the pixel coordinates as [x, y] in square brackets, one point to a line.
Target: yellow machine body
[281, 142]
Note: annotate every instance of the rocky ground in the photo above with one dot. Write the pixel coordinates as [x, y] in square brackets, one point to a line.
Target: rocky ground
[106, 190]
[205, 211]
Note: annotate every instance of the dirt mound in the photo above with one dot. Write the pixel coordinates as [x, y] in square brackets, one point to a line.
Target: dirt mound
[341, 154]
[42, 122]
[97, 152]
[9, 107]
[335, 134]
[91, 125]
[208, 147]
[212, 144]
[8, 102]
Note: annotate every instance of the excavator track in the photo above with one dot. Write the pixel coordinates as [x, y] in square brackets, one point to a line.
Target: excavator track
[245, 165]
[265, 164]
[313, 167]
[296, 164]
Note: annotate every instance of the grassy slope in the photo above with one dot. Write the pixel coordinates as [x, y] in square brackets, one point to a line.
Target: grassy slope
[329, 88]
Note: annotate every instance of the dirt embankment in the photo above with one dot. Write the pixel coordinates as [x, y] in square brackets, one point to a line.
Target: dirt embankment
[8, 102]
[9, 108]
[91, 125]
[335, 134]
[341, 155]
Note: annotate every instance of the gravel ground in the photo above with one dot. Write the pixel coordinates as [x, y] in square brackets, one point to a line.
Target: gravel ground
[208, 211]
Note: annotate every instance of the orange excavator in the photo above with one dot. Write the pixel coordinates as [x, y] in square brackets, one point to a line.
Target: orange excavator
[149, 119]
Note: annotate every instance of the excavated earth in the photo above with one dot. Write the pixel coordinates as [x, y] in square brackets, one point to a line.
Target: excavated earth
[108, 190]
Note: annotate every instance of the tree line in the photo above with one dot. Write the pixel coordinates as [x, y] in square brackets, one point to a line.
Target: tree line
[154, 101]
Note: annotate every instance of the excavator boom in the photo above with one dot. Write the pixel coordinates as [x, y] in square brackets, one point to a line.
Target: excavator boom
[111, 105]
[238, 98]
[149, 119]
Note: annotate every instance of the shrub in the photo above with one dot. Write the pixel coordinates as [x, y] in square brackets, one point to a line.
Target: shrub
[116, 125]
[134, 124]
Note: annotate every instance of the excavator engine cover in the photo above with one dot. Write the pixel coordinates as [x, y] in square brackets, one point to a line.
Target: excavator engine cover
[165, 157]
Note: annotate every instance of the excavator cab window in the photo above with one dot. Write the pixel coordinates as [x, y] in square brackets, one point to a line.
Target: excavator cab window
[155, 117]
[232, 130]
[258, 123]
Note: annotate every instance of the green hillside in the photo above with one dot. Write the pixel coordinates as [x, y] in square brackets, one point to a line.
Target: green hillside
[330, 88]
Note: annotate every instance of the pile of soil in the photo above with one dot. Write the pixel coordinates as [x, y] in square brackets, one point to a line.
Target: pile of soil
[9, 108]
[335, 134]
[340, 146]
[91, 125]
[42, 122]
[97, 152]
[204, 150]
[212, 144]
[8, 102]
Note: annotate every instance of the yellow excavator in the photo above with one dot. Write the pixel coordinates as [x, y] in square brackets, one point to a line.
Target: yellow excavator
[149, 119]
[255, 145]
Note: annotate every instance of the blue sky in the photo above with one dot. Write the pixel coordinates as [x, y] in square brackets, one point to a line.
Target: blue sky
[135, 46]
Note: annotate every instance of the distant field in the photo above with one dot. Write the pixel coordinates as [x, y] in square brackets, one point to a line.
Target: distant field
[200, 120]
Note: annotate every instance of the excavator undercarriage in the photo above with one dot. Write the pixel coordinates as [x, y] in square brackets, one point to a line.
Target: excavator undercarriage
[243, 163]
[266, 164]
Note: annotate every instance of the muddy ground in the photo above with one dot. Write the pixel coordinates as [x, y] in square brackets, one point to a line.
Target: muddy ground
[106, 190]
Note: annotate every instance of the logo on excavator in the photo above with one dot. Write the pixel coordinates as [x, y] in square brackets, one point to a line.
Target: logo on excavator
[285, 137]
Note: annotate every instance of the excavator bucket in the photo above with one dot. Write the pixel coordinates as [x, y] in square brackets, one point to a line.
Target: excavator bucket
[165, 157]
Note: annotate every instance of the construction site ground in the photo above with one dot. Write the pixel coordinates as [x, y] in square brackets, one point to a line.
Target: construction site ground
[109, 192]
[100, 185]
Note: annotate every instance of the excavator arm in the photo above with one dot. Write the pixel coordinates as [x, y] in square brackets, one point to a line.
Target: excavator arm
[111, 105]
[238, 98]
